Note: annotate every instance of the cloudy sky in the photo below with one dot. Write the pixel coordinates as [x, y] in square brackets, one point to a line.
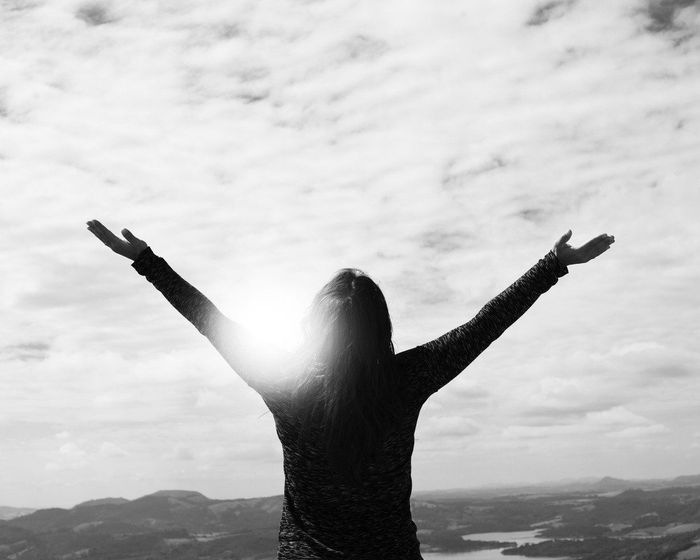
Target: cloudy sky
[260, 145]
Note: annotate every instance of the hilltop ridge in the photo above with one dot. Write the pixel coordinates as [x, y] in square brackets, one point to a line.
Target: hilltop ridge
[185, 524]
[588, 484]
[600, 485]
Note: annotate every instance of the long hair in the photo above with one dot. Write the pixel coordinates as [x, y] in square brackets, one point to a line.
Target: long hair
[348, 390]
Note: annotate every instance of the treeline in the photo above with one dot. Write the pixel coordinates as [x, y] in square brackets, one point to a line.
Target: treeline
[637, 508]
[605, 548]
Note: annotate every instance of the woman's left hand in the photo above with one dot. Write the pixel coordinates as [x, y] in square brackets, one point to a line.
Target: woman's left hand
[131, 248]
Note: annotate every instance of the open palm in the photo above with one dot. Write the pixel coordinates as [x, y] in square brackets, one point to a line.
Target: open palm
[574, 255]
[129, 248]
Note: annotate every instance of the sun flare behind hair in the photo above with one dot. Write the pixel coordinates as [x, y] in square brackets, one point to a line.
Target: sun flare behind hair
[349, 387]
[272, 313]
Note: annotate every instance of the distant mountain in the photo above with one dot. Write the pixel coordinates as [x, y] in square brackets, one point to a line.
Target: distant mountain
[598, 486]
[185, 524]
[609, 483]
[688, 480]
[164, 509]
[7, 512]
[103, 502]
[166, 524]
[181, 495]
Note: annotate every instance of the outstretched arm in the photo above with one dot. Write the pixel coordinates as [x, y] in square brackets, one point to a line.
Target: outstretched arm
[257, 365]
[439, 361]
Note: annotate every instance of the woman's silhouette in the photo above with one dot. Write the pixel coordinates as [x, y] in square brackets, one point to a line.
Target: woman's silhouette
[345, 405]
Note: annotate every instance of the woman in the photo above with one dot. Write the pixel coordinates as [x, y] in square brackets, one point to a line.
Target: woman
[345, 406]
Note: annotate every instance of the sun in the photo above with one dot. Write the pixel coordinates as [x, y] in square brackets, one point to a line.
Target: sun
[270, 312]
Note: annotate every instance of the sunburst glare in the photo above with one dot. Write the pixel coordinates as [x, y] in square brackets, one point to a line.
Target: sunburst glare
[271, 311]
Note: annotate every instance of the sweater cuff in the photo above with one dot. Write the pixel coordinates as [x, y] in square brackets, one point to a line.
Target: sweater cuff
[560, 268]
[144, 261]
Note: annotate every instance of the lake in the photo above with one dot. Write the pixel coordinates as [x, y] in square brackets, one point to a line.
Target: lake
[519, 537]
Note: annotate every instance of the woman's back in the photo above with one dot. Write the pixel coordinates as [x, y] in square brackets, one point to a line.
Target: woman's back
[325, 515]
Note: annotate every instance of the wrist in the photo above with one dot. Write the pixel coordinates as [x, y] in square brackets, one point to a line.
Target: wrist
[139, 254]
[560, 258]
[561, 263]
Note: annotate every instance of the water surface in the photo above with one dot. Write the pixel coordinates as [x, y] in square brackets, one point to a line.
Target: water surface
[519, 537]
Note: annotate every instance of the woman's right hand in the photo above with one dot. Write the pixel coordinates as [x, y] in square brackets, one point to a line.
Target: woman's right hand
[131, 248]
[568, 255]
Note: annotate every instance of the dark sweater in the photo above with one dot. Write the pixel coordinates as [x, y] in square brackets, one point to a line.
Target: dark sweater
[323, 517]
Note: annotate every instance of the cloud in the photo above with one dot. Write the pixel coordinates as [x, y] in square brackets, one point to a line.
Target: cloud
[546, 11]
[70, 456]
[183, 454]
[641, 431]
[448, 426]
[617, 421]
[109, 449]
[441, 147]
[71, 449]
[26, 351]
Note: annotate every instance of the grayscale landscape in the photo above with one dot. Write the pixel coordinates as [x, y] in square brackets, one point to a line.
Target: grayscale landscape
[611, 519]
[259, 146]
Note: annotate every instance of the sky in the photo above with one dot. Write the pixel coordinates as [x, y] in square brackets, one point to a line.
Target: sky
[259, 146]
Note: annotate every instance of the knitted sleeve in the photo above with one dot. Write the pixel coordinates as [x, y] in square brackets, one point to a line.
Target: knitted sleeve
[436, 363]
[257, 363]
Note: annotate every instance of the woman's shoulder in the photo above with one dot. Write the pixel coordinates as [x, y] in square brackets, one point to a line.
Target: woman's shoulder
[411, 359]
